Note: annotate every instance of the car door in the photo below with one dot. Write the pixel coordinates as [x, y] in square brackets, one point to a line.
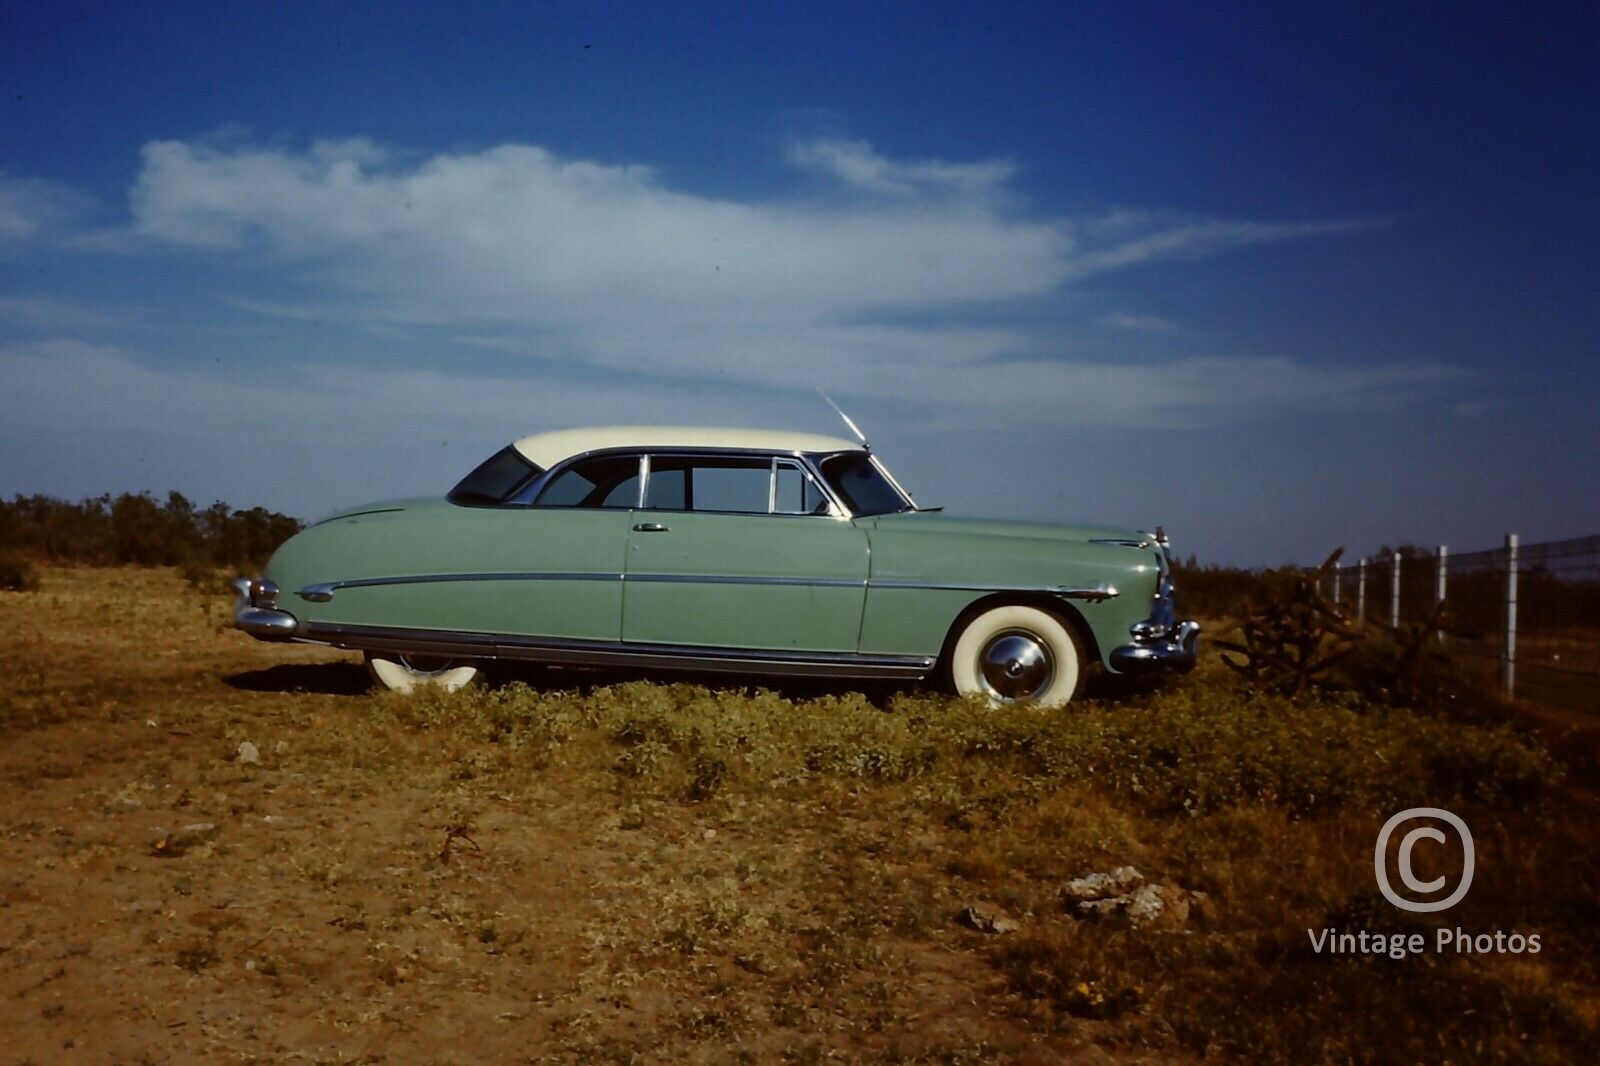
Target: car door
[741, 551]
[564, 555]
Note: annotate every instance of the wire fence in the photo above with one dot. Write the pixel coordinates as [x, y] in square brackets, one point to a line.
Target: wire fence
[1527, 615]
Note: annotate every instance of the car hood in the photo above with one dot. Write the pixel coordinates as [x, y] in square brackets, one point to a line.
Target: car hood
[938, 522]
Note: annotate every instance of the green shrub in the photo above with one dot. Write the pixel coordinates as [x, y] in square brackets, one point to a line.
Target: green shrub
[1195, 748]
[17, 574]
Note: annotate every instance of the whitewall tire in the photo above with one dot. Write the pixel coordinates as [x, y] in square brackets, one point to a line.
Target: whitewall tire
[1018, 653]
[408, 673]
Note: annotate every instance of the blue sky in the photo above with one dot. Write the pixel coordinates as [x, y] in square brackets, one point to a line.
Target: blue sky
[1277, 279]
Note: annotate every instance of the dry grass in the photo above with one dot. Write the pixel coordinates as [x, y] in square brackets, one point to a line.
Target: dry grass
[600, 869]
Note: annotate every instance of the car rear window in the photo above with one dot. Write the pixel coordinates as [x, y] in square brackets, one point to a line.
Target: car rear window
[495, 479]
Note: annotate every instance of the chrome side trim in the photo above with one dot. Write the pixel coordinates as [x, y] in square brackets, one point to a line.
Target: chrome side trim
[1092, 593]
[619, 653]
[737, 579]
[322, 592]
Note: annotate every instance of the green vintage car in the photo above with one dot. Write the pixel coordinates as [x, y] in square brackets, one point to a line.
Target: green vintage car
[740, 551]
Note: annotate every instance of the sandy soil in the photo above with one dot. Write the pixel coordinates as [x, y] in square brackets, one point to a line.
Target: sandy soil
[360, 892]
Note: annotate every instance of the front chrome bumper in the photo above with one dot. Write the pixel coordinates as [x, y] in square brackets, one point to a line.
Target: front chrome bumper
[1160, 643]
[1158, 648]
[255, 611]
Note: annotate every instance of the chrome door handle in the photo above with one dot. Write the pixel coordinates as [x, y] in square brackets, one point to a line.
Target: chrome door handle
[650, 527]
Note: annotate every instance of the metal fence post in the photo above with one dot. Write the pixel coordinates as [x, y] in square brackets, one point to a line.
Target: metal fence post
[1394, 592]
[1508, 662]
[1361, 590]
[1444, 568]
[1338, 572]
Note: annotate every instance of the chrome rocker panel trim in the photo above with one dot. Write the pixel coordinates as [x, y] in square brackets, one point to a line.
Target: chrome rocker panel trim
[568, 652]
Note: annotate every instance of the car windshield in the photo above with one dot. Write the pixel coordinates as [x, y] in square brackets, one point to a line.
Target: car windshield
[495, 479]
[862, 486]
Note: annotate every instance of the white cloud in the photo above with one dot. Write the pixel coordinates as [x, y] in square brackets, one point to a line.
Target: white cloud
[855, 163]
[31, 208]
[606, 266]
[1137, 323]
[1191, 240]
[518, 234]
[58, 314]
[608, 272]
[312, 437]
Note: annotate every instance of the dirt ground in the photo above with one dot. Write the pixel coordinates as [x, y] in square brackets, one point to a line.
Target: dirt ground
[217, 849]
[358, 892]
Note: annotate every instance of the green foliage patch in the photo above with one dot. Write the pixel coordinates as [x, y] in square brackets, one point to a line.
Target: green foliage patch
[1196, 748]
[1266, 802]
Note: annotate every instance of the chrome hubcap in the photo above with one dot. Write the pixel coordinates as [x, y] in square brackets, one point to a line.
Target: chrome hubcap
[1016, 665]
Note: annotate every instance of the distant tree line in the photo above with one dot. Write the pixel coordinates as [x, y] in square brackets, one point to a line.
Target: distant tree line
[1224, 591]
[138, 529]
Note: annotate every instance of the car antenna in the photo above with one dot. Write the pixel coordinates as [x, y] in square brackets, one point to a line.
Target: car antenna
[860, 436]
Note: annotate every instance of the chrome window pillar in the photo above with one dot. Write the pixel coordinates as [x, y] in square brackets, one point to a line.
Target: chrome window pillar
[873, 459]
[806, 461]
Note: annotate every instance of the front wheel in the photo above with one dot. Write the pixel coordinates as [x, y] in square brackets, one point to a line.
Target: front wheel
[1018, 653]
[408, 673]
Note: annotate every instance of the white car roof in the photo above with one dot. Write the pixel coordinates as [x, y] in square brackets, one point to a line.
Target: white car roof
[548, 449]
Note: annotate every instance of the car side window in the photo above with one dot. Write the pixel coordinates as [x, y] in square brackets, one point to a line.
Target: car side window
[795, 492]
[610, 481]
[709, 483]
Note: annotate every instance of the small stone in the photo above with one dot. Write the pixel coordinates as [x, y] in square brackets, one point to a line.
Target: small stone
[1119, 882]
[280, 747]
[275, 820]
[986, 918]
[1149, 905]
[1158, 903]
[709, 834]
[248, 752]
[171, 845]
[1101, 908]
